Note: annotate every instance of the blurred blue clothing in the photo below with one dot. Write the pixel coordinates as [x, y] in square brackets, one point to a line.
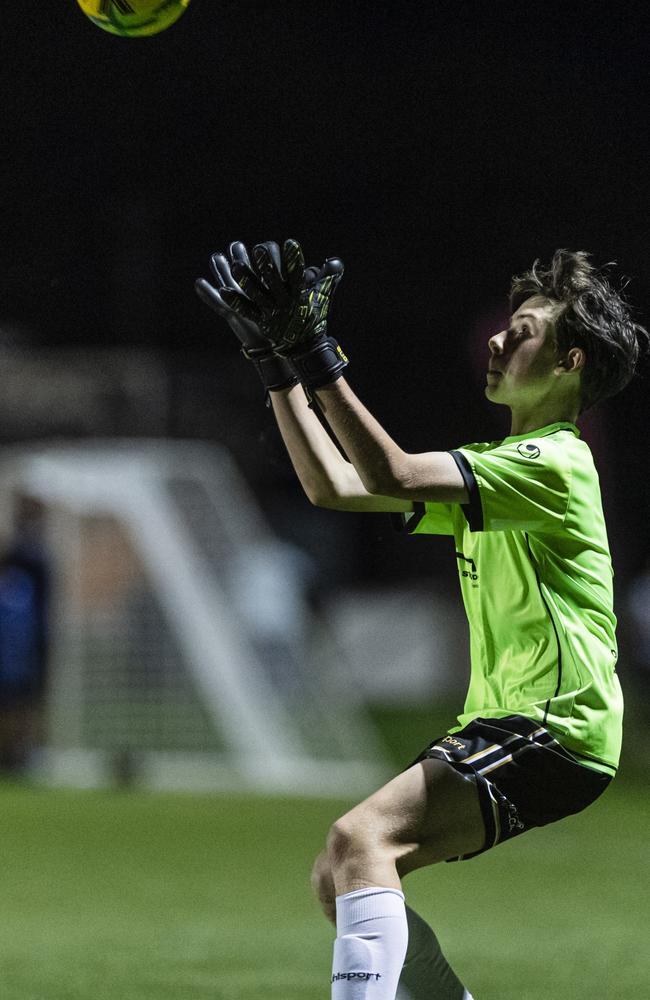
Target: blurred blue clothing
[24, 589]
[18, 616]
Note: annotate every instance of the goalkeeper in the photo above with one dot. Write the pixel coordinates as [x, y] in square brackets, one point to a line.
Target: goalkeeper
[540, 733]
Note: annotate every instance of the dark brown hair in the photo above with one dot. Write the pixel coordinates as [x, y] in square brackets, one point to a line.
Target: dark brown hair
[594, 316]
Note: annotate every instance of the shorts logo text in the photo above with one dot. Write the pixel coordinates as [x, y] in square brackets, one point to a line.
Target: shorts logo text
[514, 823]
[454, 742]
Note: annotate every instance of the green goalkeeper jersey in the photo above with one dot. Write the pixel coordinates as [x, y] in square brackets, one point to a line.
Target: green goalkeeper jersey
[536, 578]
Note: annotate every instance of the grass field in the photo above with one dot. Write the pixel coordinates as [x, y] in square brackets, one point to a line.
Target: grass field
[129, 896]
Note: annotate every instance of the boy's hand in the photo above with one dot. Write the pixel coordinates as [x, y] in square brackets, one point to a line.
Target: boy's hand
[275, 372]
[289, 305]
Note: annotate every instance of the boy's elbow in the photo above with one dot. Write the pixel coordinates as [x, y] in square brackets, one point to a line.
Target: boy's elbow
[386, 482]
[317, 500]
[322, 496]
[390, 476]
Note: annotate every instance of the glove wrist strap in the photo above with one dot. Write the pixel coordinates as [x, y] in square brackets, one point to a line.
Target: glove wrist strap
[275, 372]
[319, 363]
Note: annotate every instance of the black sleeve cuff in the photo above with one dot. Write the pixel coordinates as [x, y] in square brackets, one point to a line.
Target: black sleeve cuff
[409, 522]
[473, 510]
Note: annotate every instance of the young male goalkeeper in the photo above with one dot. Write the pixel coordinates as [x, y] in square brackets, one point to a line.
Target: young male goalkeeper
[540, 734]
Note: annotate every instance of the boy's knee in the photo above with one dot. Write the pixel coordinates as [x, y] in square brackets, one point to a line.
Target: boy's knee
[323, 885]
[340, 840]
[355, 845]
[355, 835]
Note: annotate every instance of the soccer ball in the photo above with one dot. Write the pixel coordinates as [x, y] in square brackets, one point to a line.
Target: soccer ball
[133, 17]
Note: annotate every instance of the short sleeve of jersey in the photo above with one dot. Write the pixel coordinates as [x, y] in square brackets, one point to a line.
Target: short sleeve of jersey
[430, 519]
[518, 485]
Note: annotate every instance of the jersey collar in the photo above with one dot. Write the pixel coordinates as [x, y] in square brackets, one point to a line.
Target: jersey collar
[561, 425]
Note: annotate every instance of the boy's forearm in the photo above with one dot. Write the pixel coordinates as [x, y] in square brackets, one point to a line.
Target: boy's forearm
[378, 460]
[319, 465]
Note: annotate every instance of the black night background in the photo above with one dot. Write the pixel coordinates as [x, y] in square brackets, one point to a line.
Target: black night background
[437, 148]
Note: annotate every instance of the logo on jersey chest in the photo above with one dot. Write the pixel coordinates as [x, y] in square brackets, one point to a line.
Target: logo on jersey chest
[467, 568]
[528, 450]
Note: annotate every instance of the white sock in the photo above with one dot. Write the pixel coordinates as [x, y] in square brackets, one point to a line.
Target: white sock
[370, 946]
[426, 974]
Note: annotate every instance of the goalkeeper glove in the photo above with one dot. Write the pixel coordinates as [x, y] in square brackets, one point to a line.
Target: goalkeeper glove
[274, 371]
[290, 304]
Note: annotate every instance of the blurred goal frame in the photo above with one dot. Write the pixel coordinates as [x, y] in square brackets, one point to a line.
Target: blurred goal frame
[264, 749]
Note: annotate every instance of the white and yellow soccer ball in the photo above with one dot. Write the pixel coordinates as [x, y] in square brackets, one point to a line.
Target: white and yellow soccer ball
[133, 18]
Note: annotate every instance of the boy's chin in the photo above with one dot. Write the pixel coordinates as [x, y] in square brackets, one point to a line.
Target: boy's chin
[492, 393]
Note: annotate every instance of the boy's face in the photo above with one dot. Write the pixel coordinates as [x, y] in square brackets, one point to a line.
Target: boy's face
[523, 365]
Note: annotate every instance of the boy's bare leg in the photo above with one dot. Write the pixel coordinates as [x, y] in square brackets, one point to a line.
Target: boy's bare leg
[427, 814]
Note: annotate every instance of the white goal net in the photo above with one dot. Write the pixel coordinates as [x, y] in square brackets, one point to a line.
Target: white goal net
[183, 651]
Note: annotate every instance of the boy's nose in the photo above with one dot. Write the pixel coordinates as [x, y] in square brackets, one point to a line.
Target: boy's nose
[495, 343]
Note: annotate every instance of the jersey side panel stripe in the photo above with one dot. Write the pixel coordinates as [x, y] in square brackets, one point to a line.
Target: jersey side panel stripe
[547, 707]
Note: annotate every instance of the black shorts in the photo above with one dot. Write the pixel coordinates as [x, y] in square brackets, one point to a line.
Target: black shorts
[523, 776]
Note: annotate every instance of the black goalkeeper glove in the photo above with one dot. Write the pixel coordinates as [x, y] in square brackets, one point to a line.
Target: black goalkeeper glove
[289, 304]
[274, 371]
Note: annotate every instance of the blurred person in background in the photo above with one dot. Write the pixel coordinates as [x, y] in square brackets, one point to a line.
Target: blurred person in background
[24, 598]
[540, 735]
